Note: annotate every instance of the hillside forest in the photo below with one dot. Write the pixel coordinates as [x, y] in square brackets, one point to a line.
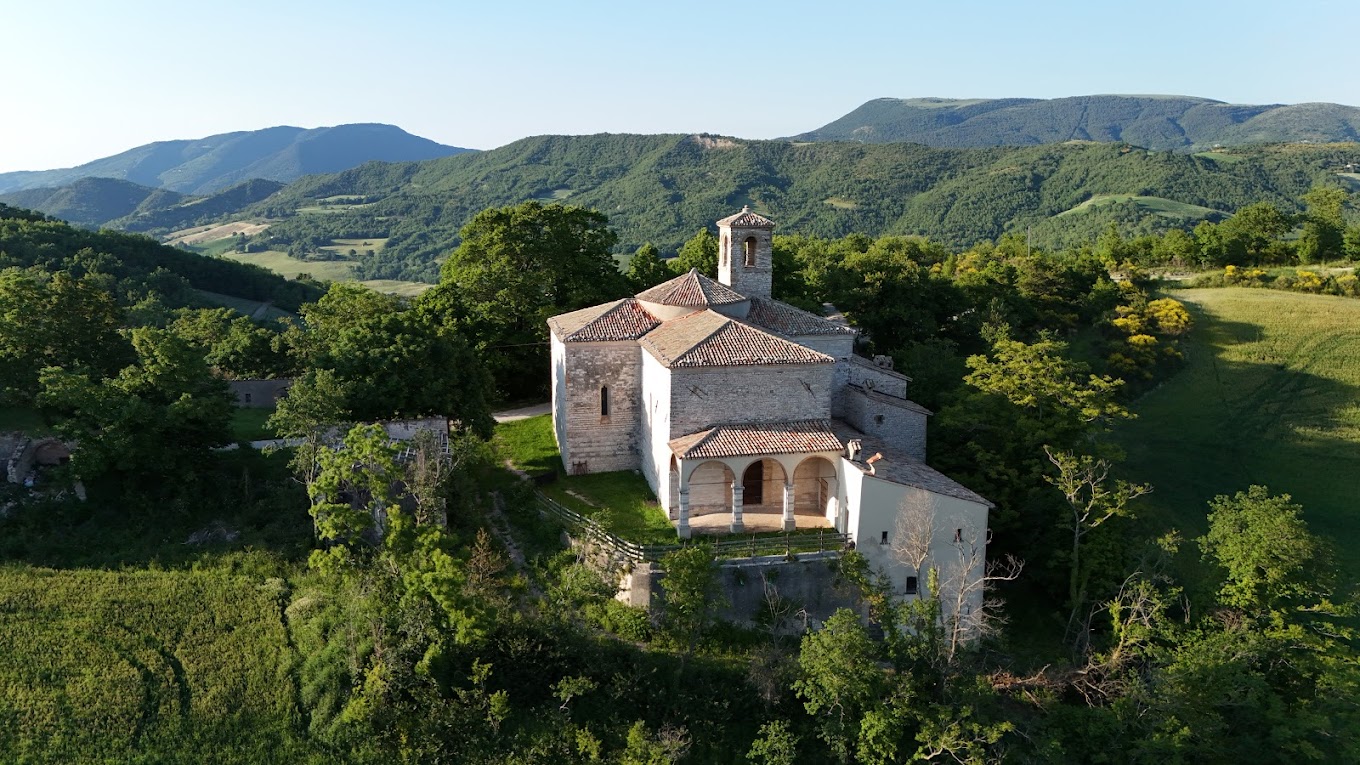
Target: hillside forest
[220, 604]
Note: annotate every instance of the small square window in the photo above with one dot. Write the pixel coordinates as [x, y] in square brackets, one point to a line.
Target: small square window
[911, 585]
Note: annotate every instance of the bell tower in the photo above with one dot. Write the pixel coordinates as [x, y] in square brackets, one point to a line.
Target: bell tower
[745, 260]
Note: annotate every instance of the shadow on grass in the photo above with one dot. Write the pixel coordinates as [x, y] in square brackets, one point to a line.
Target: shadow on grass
[1270, 401]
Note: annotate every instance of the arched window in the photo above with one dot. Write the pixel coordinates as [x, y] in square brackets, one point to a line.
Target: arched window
[750, 251]
[604, 401]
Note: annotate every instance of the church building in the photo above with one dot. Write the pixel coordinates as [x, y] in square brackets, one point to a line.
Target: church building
[745, 413]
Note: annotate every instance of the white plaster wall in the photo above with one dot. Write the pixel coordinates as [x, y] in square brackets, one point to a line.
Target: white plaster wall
[654, 427]
[879, 504]
[559, 398]
[702, 397]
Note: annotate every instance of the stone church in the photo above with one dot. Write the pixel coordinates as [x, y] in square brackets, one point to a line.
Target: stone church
[745, 413]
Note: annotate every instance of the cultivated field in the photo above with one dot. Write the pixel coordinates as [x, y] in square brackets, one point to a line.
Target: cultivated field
[146, 666]
[201, 234]
[1169, 208]
[1270, 395]
[289, 267]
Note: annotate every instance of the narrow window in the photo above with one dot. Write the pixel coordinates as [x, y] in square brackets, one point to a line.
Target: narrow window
[725, 251]
[883, 540]
[911, 585]
[750, 251]
[604, 401]
[958, 535]
[248, 398]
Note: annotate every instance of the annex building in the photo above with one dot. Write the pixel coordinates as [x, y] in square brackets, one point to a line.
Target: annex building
[745, 413]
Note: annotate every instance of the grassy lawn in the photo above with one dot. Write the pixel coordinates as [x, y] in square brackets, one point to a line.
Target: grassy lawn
[621, 501]
[1270, 395]
[27, 420]
[249, 425]
[1159, 205]
[289, 267]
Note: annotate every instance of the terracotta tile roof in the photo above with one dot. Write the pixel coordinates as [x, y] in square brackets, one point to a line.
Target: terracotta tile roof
[619, 320]
[787, 320]
[708, 338]
[898, 467]
[747, 219]
[758, 438]
[691, 290]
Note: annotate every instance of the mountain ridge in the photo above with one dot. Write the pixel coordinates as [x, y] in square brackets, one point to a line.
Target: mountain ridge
[1162, 122]
[206, 165]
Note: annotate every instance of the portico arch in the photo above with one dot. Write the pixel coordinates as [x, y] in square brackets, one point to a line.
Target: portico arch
[710, 488]
[814, 487]
[763, 482]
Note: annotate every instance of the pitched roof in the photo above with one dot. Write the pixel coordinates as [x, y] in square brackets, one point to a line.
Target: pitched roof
[708, 338]
[691, 290]
[619, 320]
[747, 219]
[898, 467]
[787, 320]
[758, 438]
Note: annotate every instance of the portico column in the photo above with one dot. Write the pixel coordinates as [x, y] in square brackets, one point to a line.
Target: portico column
[789, 523]
[737, 491]
[682, 527]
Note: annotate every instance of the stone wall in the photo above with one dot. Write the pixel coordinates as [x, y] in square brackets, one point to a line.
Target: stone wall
[259, 394]
[702, 397]
[598, 442]
[751, 281]
[863, 374]
[901, 424]
[801, 594]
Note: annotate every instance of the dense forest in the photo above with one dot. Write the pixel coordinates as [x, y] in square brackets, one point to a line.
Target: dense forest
[1155, 122]
[661, 189]
[467, 632]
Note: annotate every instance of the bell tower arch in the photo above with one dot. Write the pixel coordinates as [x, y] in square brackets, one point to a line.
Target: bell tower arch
[745, 256]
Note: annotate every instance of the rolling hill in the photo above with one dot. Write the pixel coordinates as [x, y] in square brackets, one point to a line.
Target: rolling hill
[106, 202]
[663, 188]
[206, 165]
[1155, 122]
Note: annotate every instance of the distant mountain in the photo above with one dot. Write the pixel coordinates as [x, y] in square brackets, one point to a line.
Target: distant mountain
[1153, 122]
[210, 164]
[101, 202]
[92, 202]
[663, 188]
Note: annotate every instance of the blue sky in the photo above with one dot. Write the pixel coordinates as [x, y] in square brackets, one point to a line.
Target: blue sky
[89, 79]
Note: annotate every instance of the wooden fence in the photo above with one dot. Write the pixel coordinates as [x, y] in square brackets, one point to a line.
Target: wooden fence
[749, 547]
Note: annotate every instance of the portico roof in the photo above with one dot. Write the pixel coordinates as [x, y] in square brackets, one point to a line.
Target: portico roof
[744, 439]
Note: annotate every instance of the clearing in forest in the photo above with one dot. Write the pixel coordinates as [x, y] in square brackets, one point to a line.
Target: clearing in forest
[1270, 394]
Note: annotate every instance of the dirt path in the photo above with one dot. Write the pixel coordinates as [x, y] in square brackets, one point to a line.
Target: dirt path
[523, 413]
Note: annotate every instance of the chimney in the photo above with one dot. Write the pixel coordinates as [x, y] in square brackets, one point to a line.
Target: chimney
[852, 449]
[870, 462]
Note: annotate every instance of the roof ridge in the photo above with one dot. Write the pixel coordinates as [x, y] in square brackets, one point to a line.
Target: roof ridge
[722, 324]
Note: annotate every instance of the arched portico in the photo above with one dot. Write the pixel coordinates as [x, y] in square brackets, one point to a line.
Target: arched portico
[815, 489]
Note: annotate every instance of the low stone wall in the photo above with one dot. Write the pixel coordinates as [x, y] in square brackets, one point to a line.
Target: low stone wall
[258, 394]
[788, 595]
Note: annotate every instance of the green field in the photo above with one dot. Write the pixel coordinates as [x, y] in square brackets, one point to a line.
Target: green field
[327, 270]
[250, 424]
[343, 246]
[1270, 395]
[289, 267]
[1156, 205]
[145, 666]
[253, 308]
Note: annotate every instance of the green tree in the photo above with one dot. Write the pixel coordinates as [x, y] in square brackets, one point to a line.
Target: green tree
[691, 585]
[839, 680]
[647, 269]
[386, 360]
[515, 268]
[58, 321]
[157, 418]
[777, 744]
[1324, 225]
[700, 252]
[1264, 548]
